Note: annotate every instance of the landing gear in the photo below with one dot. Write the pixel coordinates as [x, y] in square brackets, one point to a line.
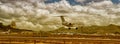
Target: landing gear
[76, 28]
[69, 28]
[73, 28]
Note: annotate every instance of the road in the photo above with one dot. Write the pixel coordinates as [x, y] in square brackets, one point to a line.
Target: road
[56, 40]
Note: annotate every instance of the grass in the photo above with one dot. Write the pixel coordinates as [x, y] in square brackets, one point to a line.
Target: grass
[110, 29]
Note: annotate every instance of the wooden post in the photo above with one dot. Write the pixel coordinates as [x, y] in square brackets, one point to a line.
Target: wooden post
[64, 42]
[34, 41]
[9, 41]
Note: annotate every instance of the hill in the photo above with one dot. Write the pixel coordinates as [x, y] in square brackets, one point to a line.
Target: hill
[110, 29]
[4, 28]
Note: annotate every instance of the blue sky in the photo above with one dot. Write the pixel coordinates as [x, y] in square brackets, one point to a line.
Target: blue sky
[73, 2]
[116, 1]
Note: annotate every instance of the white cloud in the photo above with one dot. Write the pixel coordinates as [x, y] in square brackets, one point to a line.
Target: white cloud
[80, 0]
[101, 4]
[29, 16]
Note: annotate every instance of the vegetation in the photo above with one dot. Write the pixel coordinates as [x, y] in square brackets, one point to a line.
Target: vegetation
[110, 29]
[8, 27]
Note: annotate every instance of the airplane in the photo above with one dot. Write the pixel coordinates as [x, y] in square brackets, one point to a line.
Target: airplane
[12, 28]
[66, 24]
[6, 32]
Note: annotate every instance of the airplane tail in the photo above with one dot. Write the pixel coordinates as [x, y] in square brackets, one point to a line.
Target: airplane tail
[62, 18]
[13, 24]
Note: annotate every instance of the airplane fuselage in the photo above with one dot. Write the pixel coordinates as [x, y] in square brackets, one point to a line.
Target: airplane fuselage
[67, 24]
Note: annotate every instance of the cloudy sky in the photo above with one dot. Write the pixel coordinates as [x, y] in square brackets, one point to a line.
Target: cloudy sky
[74, 2]
[39, 14]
